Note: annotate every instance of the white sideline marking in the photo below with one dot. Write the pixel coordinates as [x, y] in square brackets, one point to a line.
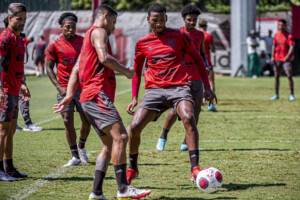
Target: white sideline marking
[48, 120]
[22, 194]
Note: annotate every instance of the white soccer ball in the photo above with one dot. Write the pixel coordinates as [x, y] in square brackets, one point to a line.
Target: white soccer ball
[209, 180]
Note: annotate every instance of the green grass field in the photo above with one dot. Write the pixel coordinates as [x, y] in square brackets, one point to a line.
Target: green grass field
[253, 141]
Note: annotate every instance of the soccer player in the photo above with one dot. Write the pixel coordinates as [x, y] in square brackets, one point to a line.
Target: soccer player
[283, 46]
[39, 58]
[96, 75]
[209, 47]
[63, 51]
[190, 15]
[166, 83]
[12, 53]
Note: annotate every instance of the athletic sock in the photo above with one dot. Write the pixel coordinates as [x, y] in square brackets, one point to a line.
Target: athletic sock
[8, 165]
[164, 134]
[81, 143]
[74, 151]
[120, 171]
[98, 182]
[133, 161]
[1, 166]
[194, 158]
[184, 141]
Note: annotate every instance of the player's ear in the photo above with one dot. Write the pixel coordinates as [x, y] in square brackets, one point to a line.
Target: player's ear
[148, 19]
[166, 18]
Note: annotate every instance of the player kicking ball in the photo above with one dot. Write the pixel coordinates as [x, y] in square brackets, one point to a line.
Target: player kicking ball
[166, 84]
[95, 71]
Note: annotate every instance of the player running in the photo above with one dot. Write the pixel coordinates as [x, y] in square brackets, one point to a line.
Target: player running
[96, 75]
[283, 46]
[209, 47]
[190, 15]
[63, 51]
[12, 53]
[166, 83]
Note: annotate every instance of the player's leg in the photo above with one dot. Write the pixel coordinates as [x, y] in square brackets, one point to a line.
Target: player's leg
[36, 63]
[170, 120]
[277, 73]
[42, 60]
[288, 71]
[211, 78]
[140, 119]
[84, 133]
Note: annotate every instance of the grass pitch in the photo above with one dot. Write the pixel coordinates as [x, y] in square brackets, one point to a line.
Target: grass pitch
[253, 141]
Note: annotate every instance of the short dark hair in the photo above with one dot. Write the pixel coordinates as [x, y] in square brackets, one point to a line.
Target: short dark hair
[190, 9]
[157, 7]
[67, 16]
[42, 37]
[282, 21]
[5, 21]
[104, 8]
[202, 22]
[15, 8]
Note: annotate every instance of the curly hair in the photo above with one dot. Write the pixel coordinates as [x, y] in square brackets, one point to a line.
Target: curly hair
[67, 16]
[190, 9]
[156, 7]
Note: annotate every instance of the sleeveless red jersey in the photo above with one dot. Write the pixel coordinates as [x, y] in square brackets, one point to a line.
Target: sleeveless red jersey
[164, 60]
[207, 42]
[13, 50]
[65, 54]
[191, 68]
[93, 75]
[282, 41]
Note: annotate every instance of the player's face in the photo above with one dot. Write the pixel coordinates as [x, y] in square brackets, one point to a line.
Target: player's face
[190, 21]
[17, 22]
[157, 21]
[111, 22]
[69, 29]
[281, 26]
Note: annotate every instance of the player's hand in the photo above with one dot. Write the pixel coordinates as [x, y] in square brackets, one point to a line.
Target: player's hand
[131, 106]
[286, 58]
[2, 98]
[209, 95]
[25, 93]
[130, 72]
[62, 91]
[63, 104]
[272, 61]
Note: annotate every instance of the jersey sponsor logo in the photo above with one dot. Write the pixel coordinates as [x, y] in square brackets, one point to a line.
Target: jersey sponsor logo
[171, 43]
[166, 73]
[69, 61]
[164, 57]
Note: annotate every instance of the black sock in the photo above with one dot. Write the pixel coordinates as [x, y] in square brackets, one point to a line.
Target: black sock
[164, 134]
[74, 151]
[194, 158]
[8, 165]
[184, 141]
[120, 171]
[133, 161]
[81, 143]
[98, 182]
[1, 166]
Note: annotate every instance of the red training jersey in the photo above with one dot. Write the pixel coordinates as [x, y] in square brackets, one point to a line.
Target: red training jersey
[207, 42]
[282, 42]
[13, 50]
[93, 75]
[191, 67]
[164, 60]
[65, 54]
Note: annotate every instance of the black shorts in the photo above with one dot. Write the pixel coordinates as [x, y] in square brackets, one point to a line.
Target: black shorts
[39, 59]
[10, 110]
[161, 99]
[74, 103]
[287, 66]
[100, 112]
[196, 89]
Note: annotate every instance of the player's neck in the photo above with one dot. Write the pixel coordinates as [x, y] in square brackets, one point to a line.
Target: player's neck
[160, 33]
[189, 30]
[282, 31]
[14, 31]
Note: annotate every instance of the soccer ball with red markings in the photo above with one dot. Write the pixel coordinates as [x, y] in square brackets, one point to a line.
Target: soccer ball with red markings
[209, 180]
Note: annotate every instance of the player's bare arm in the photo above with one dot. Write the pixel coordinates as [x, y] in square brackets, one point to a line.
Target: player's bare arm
[99, 41]
[32, 52]
[202, 53]
[50, 71]
[288, 55]
[24, 90]
[273, 54]
[2, 94]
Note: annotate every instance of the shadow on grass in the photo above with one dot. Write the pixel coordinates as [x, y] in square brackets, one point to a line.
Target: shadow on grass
[257, 149]
[235, 187]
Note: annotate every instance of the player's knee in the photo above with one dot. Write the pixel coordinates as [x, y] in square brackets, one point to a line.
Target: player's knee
[188, 118]
[122, 138]
[135, 126]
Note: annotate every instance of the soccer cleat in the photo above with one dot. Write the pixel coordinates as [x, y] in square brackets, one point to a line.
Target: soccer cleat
[194, 173]
[5, 177]
[184, 147]
[292, 97]
[212, 108]
[160, 146]
[276, 96]
[73, 162]
[94, 196]
[18, 128]
[16, 174]
[131, 174]
[82, 155]
[32, 127]
[132, 193]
